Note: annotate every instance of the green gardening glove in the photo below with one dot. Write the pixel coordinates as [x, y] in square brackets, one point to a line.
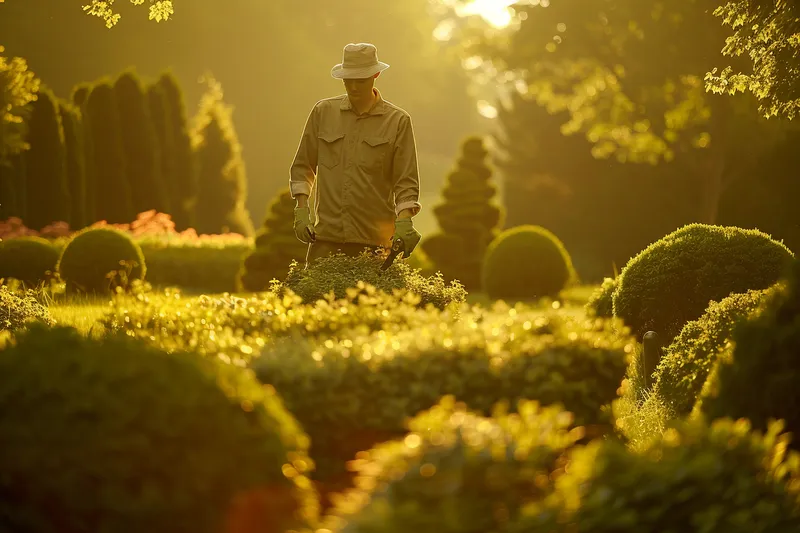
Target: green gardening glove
[303, 228]
[404, 229]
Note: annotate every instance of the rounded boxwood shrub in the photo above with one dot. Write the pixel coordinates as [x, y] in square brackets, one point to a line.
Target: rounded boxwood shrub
[93, 254]
[526, 263]
[723, 478]
[601, 302]
[759, 379]
[18, 308]
[358, 389]
[456, 471]
[112, 435]
[673, 280]
[31, 260]
[687, 362]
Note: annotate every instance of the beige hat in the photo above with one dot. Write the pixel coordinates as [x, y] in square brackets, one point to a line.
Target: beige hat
[358, 61]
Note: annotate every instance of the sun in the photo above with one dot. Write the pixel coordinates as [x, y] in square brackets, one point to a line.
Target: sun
[495, 12]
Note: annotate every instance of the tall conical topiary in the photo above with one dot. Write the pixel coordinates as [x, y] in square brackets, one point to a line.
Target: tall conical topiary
[140, 145]
[112, 192]
[183, 181]
[9, 189]
[75, 163]
[276, 247]
[468, 218]
[162, 126]
[80, 97]
[47, 195]
[222, 186]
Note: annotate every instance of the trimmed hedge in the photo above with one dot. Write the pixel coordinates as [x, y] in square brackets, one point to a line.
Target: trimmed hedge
[96, 260]
[687, 361]
[672, 281]
[759, 380]
[112, 435]
[354, 392]
[339, 273]
[601, 302]
[719, 479]
[456, 471]
[31, 260]
[526, 263]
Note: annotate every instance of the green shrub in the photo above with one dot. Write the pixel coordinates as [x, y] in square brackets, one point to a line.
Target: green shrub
[673, 280]
[688, 360]
[601, 303]
[759, 381]
[18, 308]
[201, 266]
[338, 273]
[238, 328]
[110, 435]
[719, 479]
[456, 471]
[353, 392]
[526, 262]
[31, 260]
[96, 260]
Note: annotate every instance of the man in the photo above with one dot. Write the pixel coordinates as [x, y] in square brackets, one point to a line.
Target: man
[360, 153]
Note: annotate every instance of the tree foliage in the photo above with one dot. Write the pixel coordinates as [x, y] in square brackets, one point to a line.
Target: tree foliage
[222, 182]
[75, 163]
[18, 88]
[768, 33]
[160, 10]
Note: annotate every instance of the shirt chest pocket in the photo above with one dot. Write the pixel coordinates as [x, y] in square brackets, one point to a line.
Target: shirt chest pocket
[374, 153]
[330, 149]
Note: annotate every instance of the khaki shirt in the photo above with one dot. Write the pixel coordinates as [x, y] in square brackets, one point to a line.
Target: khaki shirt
[364, 168]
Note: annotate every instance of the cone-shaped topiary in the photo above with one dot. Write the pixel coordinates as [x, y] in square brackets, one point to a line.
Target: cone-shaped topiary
[28, 259]
[276, 246]
[75, 163]
[47, 191]
[140, 145]
[526, 262]
[468, 218]
[222, 185]
[456, 471]
[111, 192]
[183, 180]
[12, 187]
[162, 126]
[80, 97]
[673, 280]
[112, 435]
[724, 478]
[688, 360]
[759, 380]
[95, 260]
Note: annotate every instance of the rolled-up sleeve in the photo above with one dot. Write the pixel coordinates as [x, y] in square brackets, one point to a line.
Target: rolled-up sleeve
[304, 167]
[406, 169]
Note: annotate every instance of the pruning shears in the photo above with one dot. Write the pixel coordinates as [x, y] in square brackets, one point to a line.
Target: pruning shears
[397, 249]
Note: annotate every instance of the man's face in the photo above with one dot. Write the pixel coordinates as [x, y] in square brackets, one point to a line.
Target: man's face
[360, 89]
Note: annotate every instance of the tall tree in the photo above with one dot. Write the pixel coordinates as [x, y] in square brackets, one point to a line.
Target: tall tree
[468, 217]
[222, 185]
[594, 58]
[182, 185]
[47, 190]
[75, 163]
[112, 192]
[140, 145]
[18, 88]
[12, 191]
[157, 105]
[80, 97]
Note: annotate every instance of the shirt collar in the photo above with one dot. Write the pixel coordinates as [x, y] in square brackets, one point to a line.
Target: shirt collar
[378, 109]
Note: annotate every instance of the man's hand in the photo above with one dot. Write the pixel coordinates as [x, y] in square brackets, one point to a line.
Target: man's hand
[303, 228]
[404, 229]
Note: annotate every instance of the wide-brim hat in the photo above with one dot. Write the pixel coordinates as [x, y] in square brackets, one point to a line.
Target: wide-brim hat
[359, 60]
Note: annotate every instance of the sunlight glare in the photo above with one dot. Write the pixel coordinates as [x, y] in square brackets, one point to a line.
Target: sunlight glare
[486, 109]
[495, 12]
